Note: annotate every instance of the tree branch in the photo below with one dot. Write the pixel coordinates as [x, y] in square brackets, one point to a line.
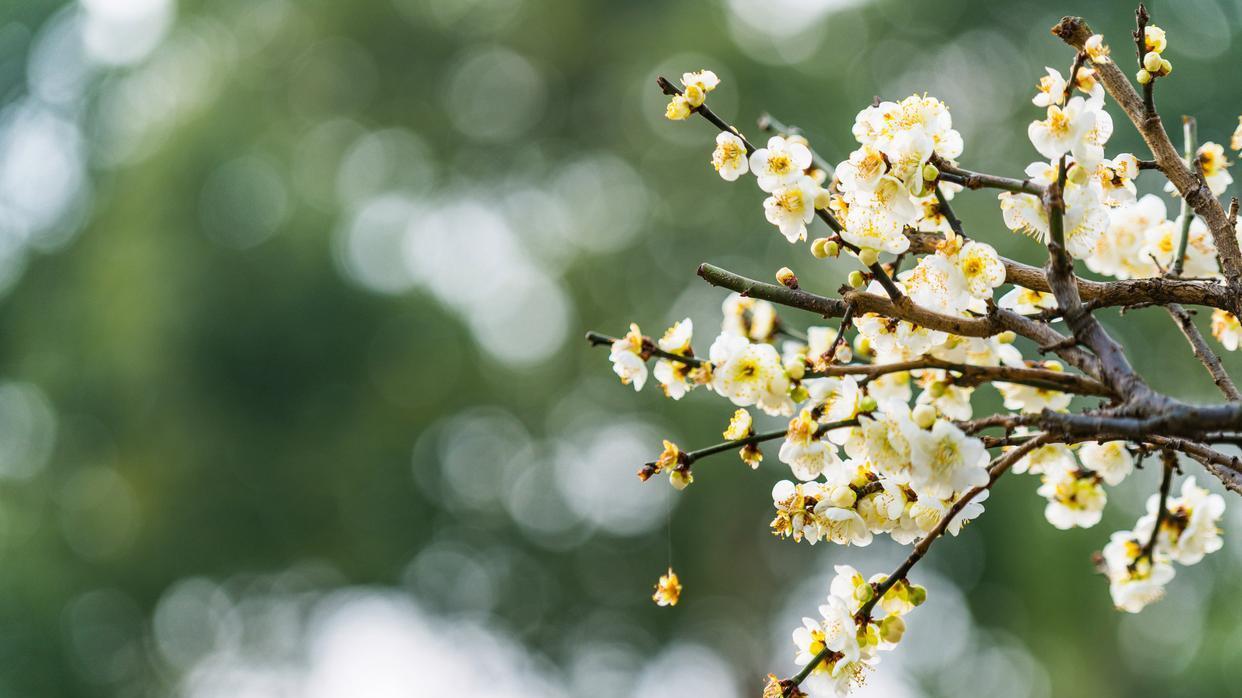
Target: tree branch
[1203, 352]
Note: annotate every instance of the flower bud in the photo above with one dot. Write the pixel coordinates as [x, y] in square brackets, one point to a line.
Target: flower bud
[1007, 337]
[1078, 174]
[856, 279]
[785, 277]
[1154, 39]
[795, 368]
[1165, 66]
[819, 248]
[843, 497]
[892, 628]
[868, 256]
[863, 593]
[1054, 366]
[1151, 62]
[937, 389]
[930, 172]
[918, 594]
[867, 404]
[799, 394]
[832, 248]
[1143, 77]
[680, 478]
[823, 198]
[924, 416]
[843, 354]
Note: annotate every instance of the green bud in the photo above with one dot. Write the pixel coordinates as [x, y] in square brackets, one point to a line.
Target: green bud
[930, 172]
[937, 389]
[1151, 62]
[1007, 337]
[918, 594]
[1143, 77]
[868, 256]
[867, 404]
[892, 628]
[1165, 66]
[856, 279]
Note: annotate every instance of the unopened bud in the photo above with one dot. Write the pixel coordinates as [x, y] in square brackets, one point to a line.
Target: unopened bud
[1078, 174]
[680, 478]
[863, 593]
[819, 248]
[843, 354]
[1151, 62]
[832, 248]
[1165, 66]
[937, 389]
[867, 404]
[785, 277]
[1007, 337]
[918, 594]
[930, 172]
[924, 416]
[795, 368]
[1054, 366]
[868, 256]
[856, 279]
[843, 497]
[892, 628]
[1143, 77]
[799, 394]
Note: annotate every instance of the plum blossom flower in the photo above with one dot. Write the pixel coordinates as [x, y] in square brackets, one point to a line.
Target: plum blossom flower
[1110, 460]
[781, 164]
[729, 157]
[1190, 528]
[791, 207]
[1068, 130]
[674, 376]
[750, 374]
[627, 358]
[1135, 579]
[1226, 329]
[1075, 498]
[805, 451]
[945, 461]
[667, 589]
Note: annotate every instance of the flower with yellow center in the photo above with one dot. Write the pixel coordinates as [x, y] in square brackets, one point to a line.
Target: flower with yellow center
[1067, 129]
[1154, 39]
[1110, 460]
[1226, 329]
[628, 360]
[782, 163]
[982, 268]
[740, 426]
[1050, 89]
[729, 158]
[678, 109]
[1075, 498]
[697, 85]
[1025, 301]
[1135, 579]
[1214, 165]
[667, 589]
[790, 208]
[1096, 49]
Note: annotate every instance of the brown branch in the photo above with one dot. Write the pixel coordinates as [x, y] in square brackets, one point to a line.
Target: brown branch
[997, 321]
[1115, 369]
[1102, 294]
[1169, 460]
[1203, 352]
[598, 339]
[972, 375]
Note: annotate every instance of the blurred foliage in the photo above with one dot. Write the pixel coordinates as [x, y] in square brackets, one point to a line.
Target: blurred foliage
[233, 396]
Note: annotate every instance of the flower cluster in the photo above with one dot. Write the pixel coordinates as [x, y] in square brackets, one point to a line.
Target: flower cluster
[848, 635]
[1138, 562]
[875, 416]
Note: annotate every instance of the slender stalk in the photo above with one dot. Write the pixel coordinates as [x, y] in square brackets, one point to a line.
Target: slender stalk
[1190, 134]
[598, 339]
[1169, 459]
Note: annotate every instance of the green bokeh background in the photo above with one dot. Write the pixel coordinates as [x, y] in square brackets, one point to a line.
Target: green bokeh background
[235, 397]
